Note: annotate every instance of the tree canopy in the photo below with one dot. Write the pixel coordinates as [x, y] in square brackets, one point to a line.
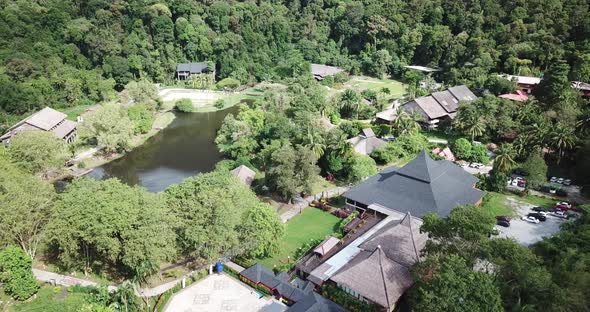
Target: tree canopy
[100, 224]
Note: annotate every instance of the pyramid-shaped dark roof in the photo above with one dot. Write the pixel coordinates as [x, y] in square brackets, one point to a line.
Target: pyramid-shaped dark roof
[422, 168]
[420, 187]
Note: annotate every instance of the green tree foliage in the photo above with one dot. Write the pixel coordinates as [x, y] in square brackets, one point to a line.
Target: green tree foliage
[361, 167]
[184, 105]
[405, 146]
[141, 92]
[462, 149]
[228, 84]
[291, 170]
[16, 275]
[504, 160]
[212, 208]
[261, 230]
[142, 118]
[108, 127]
[106, 225]
[37, 151]
[450, 284]
[25, 206]
[536, 167]
[566, 257]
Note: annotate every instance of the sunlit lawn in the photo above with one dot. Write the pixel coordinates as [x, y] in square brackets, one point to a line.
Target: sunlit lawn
[47, 300]
[496, 204]
[396, 88]
[312, 224]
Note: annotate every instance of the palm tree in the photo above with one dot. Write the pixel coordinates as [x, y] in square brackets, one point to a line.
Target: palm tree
[351, 100]
[504, 160]
[406, 123]
[315, 143]
[476, 129]
[562, 138]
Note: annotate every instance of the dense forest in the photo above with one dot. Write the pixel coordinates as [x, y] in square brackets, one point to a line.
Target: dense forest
[66, 53]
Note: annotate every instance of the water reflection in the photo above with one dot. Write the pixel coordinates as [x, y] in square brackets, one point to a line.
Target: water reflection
[183, 149]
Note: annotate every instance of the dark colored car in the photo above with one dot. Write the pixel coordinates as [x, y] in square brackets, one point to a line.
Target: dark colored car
[503, 223]
[537, 216]
[503, 218]
[539, 209]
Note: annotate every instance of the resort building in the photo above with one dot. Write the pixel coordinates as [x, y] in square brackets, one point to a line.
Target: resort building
[46, 119]
[244, 174]
[420, 187]
[439, 105]
[320, 72]
[185, 70]
[366, 142]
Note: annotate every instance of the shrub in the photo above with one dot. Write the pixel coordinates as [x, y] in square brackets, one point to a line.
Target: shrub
[462, 149]
[219, 104]
[361, 167]
[479, 153]
[16, 274]
[81, 165]
[184, 105]
[142, 118]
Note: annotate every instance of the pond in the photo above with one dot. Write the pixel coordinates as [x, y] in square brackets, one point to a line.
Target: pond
[183, 149]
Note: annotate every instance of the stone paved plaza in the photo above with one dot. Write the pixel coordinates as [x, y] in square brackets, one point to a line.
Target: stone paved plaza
[221, 293]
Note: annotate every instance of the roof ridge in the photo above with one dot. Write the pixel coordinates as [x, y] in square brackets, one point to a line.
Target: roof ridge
[383, 276]
[408, 214]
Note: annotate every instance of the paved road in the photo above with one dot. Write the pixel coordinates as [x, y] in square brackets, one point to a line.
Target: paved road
[302, 203]
[67, 281]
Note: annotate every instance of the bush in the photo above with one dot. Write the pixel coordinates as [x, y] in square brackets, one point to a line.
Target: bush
[219, 104]
[462, 149]
[360, 167]
[142, 118]
[479, 153]
[184, 105]
[16, 274]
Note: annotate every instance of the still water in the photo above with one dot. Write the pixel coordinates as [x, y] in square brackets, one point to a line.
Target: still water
[183, 149]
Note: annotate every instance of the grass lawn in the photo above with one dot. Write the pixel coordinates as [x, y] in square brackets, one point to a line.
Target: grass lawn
[311, 224]
[496, 204]
[74, 112]
[396, 88]
[47, 301]
[440, 135]
[538, 201]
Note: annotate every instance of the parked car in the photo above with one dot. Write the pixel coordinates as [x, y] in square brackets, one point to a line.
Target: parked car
[563, 205]
[553, 179]
[567, 182]
[503, 223]
[503, 218]
[560, 180]
[539, 209]
[522, 183]
[537, 216]
[531, 219]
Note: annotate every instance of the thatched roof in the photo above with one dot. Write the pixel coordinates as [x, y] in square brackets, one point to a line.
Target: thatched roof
[245, 174]
[381, 271]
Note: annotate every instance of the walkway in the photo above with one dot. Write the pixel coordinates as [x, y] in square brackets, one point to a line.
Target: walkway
[302, 203]
[67, 281]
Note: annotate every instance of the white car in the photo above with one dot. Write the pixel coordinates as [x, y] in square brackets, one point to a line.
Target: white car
[531, 219]
[560, 180]
[553, 179]
[567, 182]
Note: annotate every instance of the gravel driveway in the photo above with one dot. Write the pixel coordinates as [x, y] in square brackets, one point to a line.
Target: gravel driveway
[528, 233]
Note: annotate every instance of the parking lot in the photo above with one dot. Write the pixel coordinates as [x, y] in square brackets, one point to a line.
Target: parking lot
[221, 292]
[528, 233]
